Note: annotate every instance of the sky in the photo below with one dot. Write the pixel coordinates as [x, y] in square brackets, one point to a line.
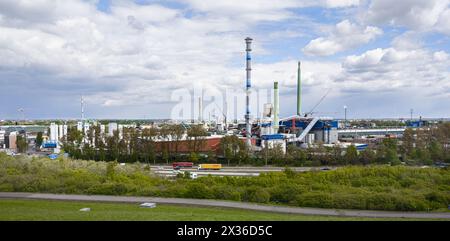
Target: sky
[128, 58]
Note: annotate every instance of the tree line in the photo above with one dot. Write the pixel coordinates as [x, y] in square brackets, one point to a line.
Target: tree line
[149, 145]
[417, 147]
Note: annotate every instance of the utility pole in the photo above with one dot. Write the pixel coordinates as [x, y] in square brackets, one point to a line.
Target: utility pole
[411, 112]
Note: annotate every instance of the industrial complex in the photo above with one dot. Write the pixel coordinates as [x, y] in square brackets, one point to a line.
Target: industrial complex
[302, 129]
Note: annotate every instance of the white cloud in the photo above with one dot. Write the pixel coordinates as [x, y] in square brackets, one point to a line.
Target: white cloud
[443, 24]
[345, 35]
[341, 3]
[414, 14]
[134, 56]
[392, 69]
[408, 40]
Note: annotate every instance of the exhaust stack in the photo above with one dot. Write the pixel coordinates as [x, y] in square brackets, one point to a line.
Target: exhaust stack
[299, 90]
[248, 49]
[276, 108]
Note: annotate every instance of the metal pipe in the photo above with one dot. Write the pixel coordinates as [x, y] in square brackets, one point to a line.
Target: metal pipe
[276, 103]
[299, 90]
[248, 49]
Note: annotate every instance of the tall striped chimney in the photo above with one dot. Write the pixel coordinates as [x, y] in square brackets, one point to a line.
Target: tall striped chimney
[276, 108]
[248, 49]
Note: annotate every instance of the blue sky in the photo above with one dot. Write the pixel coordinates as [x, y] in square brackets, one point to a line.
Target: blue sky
[380, 59]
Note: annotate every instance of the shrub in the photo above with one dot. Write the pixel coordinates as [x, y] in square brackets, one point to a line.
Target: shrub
[315, 199]
[6, 187]
[198, 190]
[371, 187]
[285, 193]
[108, 188]
[349, 201]
[380, 201]
[226, 193]
[437, 197]
[252, 194]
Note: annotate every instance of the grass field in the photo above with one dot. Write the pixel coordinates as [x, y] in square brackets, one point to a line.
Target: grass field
[41, 210]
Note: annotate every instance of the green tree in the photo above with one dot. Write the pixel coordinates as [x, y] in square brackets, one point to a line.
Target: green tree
[230, 146]
[367, 156]
[273, 155]
[436, 151]
[148, 144]
[387, 152]
[423, 156]
[351, 155]
[407, 147]
[391, 157]
[177, 132]
[39, 140]
[193, 157]
[22, 144]
[296, 156]
[196, 135]
[165, 135]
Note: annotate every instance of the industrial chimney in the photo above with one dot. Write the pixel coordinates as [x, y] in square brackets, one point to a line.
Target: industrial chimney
[276, 108]
[200, 109]
[248, 49]
[299, 90]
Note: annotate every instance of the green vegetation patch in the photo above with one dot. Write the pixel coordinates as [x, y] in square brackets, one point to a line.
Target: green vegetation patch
[394, 188]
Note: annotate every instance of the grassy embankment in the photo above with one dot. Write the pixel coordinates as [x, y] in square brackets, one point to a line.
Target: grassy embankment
[376, 188]
[40, 210]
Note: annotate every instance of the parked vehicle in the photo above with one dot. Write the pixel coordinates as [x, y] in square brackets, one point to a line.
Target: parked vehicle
[209, 166]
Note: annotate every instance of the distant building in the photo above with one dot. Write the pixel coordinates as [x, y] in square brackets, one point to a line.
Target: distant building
[11, 140]
[111, 128]
[79, 126]
[60, 132]
[209, 144]
[54, 132]
[274, 140]
[2, 138]
[64, 131]
[102, 129]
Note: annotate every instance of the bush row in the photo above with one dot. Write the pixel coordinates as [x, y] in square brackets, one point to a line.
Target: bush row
[375, 187]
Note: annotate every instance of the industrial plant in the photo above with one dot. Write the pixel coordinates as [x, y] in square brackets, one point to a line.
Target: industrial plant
[302, 129]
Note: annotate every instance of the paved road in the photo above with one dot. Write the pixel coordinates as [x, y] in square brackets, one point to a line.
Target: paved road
[227, 204]
[247, 169]
[232, 171]
[206, 173]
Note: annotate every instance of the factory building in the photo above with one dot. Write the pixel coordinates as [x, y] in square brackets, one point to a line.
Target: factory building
[273, 141]
[209, 144]
[54, 135]
[324, 130]
[303, 131]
